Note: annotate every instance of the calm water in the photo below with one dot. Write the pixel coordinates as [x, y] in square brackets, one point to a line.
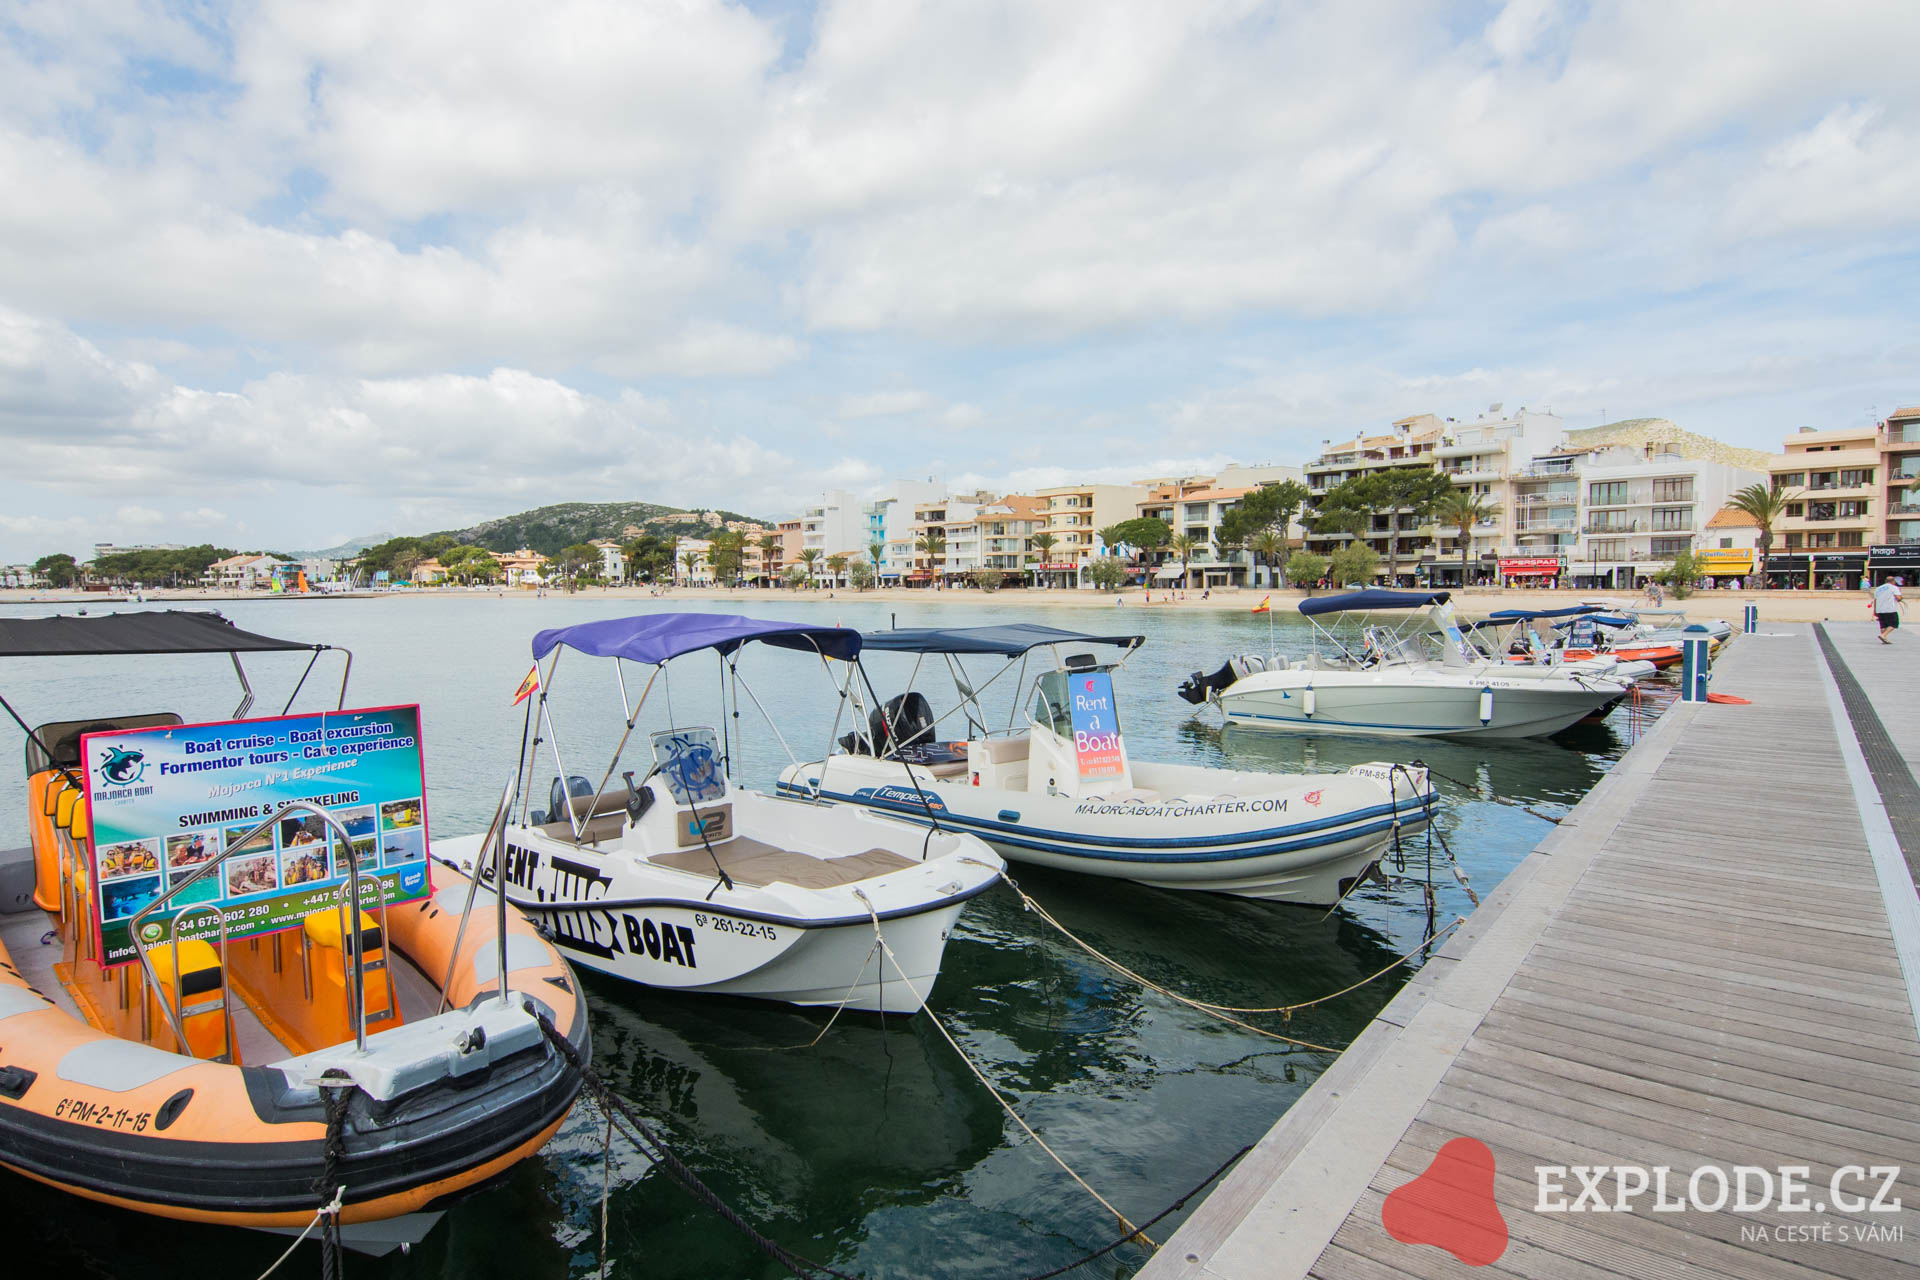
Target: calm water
[874, 1151]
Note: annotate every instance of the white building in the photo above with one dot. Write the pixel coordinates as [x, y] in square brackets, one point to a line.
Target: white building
[834, 524]
[700, 573]
[890, 522]
[613, 562]
[1494, 458]
[1640, 507]
[242, 572]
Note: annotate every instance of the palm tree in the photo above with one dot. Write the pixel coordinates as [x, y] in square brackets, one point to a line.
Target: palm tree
[1183, 545]
[1463, 511]
[769, 544]
[1268, 546]
[932, 544]
[875, 550]
[1765, 505]
[1043, 543]
[691, 559]
[807, 557]
[837, 565]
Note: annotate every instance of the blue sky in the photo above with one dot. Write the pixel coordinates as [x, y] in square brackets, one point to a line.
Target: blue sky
[279, 274]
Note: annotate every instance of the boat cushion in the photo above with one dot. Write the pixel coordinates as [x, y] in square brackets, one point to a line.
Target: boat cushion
[753, 862]
[64, 807]
[604, 827]
[1001, 750]
[323, 929]
[199, 965]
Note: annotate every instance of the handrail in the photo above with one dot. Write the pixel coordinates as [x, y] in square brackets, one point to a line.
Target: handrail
[496, 836]
[359, 1008]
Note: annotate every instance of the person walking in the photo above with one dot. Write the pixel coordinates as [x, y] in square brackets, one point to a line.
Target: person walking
[1886, 603]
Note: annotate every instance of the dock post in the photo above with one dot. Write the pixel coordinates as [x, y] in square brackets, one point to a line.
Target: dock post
[1752, 618]
[1695, 664]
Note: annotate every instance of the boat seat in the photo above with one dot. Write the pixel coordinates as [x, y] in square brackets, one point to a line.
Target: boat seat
[600, 821]
[1001, 750]
[199, 966]
[753, 862]
[323, 929]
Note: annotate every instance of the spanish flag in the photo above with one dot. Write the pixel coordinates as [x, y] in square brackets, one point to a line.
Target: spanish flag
[527, 686]
[1265, 605]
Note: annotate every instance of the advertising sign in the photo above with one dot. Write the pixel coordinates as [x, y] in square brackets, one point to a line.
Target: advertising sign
[167, 800]
[1096, 728]
[1724, 560]
[1531, 566]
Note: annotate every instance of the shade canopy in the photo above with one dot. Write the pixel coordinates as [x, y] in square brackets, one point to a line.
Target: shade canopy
[1372, 599]
[658, 637]
[1009, 640]
[1525, 615]
[166, 631]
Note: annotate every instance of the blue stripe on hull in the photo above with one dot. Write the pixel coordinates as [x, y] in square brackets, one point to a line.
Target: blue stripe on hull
[1164, 851]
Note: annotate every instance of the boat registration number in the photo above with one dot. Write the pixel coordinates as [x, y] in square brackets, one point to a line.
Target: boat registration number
[739, 928]
[101, 1116]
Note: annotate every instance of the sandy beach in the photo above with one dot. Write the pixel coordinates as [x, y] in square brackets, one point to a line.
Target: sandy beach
[1777, 606]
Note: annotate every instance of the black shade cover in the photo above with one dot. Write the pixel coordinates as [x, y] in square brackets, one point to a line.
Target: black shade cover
[168, 631]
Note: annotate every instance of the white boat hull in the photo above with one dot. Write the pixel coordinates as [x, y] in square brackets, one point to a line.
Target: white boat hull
[1303, 839]
[615, 911]
[1398, 702]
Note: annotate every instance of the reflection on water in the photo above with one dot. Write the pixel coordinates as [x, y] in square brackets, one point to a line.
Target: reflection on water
[875, 1149]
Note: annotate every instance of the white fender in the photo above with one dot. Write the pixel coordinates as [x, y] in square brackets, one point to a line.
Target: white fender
[1486, 705]
[1307, 701]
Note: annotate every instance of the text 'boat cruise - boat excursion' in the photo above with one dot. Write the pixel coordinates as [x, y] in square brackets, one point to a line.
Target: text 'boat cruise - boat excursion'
[1060, 789]
[226, 952]
[680, 878]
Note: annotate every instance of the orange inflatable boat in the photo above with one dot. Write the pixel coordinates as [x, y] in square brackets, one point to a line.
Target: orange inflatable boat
[245, 1080]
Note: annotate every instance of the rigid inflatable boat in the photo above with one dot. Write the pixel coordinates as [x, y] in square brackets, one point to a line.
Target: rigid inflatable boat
[1063, 790]
[191, 1026]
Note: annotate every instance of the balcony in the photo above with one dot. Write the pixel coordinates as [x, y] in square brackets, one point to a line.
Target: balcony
[1604, 530]
[1545, 473]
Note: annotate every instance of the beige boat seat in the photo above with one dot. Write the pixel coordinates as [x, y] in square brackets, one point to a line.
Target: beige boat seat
[756, 863]
[1001, 750]
[602, 819]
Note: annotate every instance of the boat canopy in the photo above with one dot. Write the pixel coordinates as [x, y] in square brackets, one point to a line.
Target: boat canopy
[1371, 599]
[166, 631]
[1009, 640]
[1527, 615]
[657, 637]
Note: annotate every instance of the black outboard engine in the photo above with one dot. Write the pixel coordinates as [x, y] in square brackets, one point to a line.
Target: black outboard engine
[905, 721]
[559, 796]
[1199, 686]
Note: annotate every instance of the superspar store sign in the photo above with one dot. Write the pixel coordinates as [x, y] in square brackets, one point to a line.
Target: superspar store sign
[169, 800]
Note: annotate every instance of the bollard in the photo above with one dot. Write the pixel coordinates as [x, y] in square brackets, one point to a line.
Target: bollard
[1694, 664]
[1753, 618]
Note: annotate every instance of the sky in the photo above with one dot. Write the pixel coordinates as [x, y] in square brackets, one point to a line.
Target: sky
[275, 275]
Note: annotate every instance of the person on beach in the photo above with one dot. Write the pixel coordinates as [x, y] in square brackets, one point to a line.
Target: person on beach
[1886, 603]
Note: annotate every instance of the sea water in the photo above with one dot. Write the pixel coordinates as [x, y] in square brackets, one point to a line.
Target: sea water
[872, 1147]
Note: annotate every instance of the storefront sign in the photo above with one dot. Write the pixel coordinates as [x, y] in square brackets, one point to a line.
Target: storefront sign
[1894, 555]
[168, 800]
[1724, 561]
[1532, 566]
[1096, 728]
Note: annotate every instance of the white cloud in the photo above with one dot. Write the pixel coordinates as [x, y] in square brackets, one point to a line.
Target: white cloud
[882, 404]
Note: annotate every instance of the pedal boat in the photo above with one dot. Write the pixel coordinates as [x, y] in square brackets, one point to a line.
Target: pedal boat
[684, 880]
[1064, 792]
[196, 1084]
[1384, 680]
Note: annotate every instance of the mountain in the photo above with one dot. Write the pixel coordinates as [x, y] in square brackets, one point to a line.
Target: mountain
[346, 550]
[549, 530]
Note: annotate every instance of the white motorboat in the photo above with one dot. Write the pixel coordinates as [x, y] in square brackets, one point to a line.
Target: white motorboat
[1398, 681]
[1062, 790]
[683, 880]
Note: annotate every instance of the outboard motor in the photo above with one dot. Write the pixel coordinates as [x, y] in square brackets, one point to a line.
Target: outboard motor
[910, 717]
[559, 796]
[1200, 686]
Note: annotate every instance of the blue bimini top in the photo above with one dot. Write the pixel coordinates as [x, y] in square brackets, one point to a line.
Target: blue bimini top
[658, 637]
[1371, 599]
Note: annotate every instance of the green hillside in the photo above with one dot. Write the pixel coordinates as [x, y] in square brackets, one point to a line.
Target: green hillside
[548, 530]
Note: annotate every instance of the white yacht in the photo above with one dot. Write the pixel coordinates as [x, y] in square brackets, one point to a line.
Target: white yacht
[1418, 677]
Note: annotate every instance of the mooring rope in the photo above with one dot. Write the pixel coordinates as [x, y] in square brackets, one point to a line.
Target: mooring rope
[322, 1212]
[333, 1151]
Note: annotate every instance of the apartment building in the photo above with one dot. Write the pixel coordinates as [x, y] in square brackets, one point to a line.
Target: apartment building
[792, 536]
[1496, 457]
[698, 573]
[1195, 506]
[1007, 526]
[1897, 551]
[613, 563]
[1409, 442]
[1835, 486]
[1641, 506]
[1074, 513]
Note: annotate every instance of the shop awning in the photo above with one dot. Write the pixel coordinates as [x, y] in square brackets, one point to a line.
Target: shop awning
[1166, 572]
[1724, 561]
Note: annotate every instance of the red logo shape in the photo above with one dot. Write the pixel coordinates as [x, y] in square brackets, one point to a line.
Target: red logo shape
[1089, 686]
[1313, 797]
[1450, 1206]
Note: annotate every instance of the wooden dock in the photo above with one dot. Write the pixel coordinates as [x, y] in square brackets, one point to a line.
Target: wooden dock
[1711, 963]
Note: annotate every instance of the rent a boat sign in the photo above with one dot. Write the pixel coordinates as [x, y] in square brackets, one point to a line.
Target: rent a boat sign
[168, 801]
[1096, 727]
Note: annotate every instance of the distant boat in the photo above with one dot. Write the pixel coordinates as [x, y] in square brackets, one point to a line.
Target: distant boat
[1419, 676]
